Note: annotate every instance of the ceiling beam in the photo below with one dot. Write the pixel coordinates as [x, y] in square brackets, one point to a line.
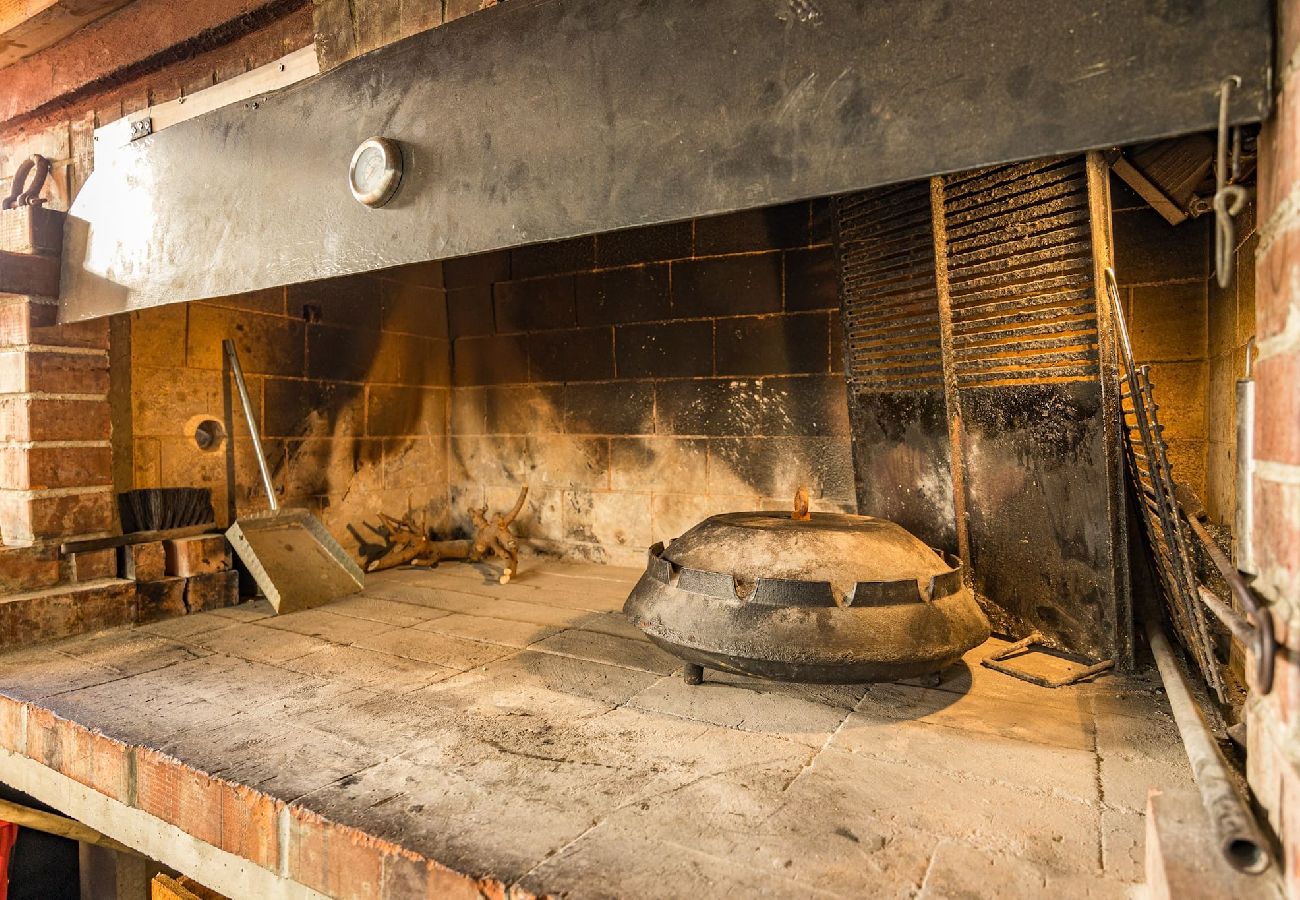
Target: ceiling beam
[27, 26]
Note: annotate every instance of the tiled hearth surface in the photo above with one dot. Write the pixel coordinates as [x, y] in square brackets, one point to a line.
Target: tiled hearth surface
[526, 735]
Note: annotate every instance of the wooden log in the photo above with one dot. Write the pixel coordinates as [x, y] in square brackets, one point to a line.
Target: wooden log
[50, 823]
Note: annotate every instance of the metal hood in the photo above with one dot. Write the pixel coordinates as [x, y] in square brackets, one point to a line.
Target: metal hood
[553, 118]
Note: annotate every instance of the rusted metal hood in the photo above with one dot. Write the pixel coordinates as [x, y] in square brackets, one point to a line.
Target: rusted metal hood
[542, 120]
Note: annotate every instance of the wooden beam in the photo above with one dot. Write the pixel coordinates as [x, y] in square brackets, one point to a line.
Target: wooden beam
[27, 26]
[39, 820]
[29, 274]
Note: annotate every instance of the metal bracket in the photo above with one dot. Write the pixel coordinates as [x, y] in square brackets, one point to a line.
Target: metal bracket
[141, 128]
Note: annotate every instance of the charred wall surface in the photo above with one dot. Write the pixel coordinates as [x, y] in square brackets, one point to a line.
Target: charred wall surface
[636, 382]
[350, 381]
[642, 380]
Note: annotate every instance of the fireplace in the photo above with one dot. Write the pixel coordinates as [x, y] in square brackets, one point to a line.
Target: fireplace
[699, 296]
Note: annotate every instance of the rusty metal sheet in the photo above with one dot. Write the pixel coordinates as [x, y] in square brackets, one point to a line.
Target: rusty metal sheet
[536, 121]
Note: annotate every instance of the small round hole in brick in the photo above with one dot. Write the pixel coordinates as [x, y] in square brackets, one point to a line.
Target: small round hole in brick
[209, 435]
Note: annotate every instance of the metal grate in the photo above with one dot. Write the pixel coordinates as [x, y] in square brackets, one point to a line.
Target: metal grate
[887, 283]
[1154, 488]
[1020, 274]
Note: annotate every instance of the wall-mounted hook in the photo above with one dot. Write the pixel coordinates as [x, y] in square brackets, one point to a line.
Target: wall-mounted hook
[1229, 199]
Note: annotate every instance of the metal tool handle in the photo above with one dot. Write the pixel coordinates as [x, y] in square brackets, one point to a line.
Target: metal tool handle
[244, 400]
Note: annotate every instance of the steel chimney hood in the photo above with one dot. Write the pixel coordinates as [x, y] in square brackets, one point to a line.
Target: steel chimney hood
[546, 119]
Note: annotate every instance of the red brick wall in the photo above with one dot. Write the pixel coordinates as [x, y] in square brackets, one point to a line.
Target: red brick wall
[1274, 752]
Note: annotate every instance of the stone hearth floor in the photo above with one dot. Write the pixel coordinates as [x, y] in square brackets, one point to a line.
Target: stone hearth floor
[527, 736]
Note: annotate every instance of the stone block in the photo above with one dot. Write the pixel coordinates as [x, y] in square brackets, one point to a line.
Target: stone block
[214, 590]
[41, 467]
[619, 296]
[25, 518]
[616, 520]
[198, 555]
[88, 565]
[268, 345]
[773, 345]
[144, 562]
[572, 255]
[59, 612]
[754, 229]
[469, 311]
[665, 349]
[489, 359]
[810, 281]
[415, 309]
[53, 372]
[609, 407]
[28, 418]
[727, 285]
[576, 354]
[678, 465]
[1168, 322]
[397, 411]
[159, 599]
[537, 304]
[24, 321]
[525, 409]
[28, 569]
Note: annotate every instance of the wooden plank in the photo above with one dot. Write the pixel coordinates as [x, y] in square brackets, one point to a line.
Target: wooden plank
[286, 70]
[28, 26]
[38, 820]
[26, 273]
[139, 537]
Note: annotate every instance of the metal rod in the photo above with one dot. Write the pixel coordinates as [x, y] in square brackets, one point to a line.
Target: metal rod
[247, 403]
[1261, 640]
[1233, 825]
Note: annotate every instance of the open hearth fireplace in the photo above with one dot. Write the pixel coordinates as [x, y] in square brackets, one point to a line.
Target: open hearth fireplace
[704, 456]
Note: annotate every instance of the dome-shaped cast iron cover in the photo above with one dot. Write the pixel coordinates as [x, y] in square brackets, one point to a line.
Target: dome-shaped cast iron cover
[831, 598]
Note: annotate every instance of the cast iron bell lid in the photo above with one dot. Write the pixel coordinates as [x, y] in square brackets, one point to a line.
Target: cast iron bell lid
[824, 597]
[841, 550]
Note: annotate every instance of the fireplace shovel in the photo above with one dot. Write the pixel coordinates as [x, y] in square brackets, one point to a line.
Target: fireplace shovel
[294, 560]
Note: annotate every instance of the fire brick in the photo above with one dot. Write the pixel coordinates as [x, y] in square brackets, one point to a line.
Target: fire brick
[25, 518]
[53, 372]
[616, 296]
[212, 591]
[665, 349]
[91, 564]
[39, 467]
[198, 555]
[28, 569]
[163, 598]
[727, 285]
[144, 562]
[27, 418]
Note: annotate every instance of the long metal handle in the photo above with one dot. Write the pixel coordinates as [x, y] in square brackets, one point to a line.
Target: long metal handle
[1233, 824]
[244, 400]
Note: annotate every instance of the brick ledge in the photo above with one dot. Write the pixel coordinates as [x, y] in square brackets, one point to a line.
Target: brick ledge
[142, 797]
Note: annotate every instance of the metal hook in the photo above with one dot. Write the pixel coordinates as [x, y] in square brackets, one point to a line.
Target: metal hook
[1229, 199]
[21, 195]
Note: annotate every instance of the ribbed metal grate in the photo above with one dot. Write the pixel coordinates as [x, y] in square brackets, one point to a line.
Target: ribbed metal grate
[887, 284]
[1020, 274]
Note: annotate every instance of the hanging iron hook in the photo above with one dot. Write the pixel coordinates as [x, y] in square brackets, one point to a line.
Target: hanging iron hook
[1229, 199]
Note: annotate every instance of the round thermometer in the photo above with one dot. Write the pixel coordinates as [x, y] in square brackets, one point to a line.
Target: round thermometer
[376, 171]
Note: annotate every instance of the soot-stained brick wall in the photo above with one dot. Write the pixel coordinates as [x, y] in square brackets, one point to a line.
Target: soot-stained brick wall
[640, 381]
[635, 381]
[349, 379]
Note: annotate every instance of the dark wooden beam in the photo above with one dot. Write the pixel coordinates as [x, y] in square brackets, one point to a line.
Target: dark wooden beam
[27, 273]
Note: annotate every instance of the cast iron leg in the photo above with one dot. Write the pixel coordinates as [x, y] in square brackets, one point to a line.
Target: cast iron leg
[693, 674]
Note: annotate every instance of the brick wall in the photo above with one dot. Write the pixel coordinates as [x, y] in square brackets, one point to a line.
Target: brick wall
[349, 380]
[642, 380]
[1273, 722]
